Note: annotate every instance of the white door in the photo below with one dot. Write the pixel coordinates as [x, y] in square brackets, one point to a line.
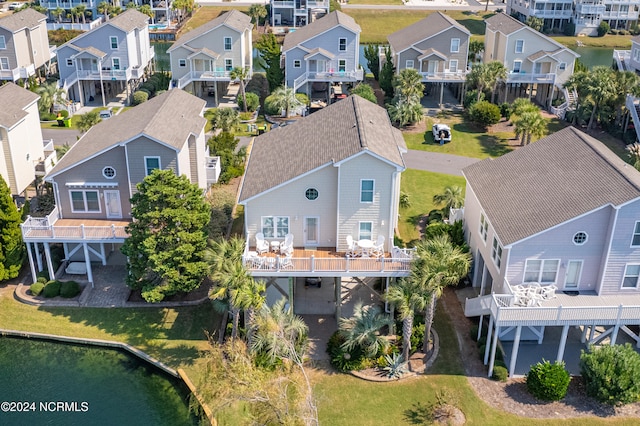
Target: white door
[433, 67]
[574, 269]
[311, 234]
[112, 203]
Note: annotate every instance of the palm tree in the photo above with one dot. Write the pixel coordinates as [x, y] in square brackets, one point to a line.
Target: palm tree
[496, 72]
[57, 13]
[225, 118]
[80, 9]
[257, 11]
[520, 106]
[452, 198]
[284, 99]
[438, 264]
[363, 329]
[404, 112]
[475, 47]
[479, 78]
[146, 10]
[103, 9]
[407, 298]
[601, 87]
[72, 15]
[408, 85]
[626, 83]
[50, 94]
[241, 74]
[528, 124]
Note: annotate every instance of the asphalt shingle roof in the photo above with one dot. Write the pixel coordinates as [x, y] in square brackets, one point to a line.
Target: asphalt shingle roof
[129, 20]
[504, 23]
[421, 30]
[549, 182]
[233, 19]
[14, 99]
[319, 26]
[27, 18]
[330, 135]
[168, 118]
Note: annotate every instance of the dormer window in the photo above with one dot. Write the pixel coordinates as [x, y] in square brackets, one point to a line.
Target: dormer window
[342, 44]
[114, 42]
[227, 43]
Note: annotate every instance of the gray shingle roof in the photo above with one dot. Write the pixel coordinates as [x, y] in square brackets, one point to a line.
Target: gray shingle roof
[421, 30]
[129, 20]
[14, 99]
[333, 134]
[233, 19]
[169, 118]
[319, 26]
[549, 182]
[504, 23]
[540, 54]
[91, 50]
[27, 18]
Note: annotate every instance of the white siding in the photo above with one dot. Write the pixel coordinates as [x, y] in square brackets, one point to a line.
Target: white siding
[621, 251]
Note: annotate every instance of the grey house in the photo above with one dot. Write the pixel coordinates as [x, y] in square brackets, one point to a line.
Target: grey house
[108, 60]
[560, 217]
[95, 180]
[437, 47]
[323, 53]
[24, 45]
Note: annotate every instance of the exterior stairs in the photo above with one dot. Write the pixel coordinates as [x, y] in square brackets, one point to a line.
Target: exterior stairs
[633, 105]
[477, 306]
[571, 100]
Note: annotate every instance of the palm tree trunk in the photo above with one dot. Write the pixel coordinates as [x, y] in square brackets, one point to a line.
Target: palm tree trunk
[428, 321]
[223, 327]
[249, 317]
[593, 116]
[236, 319]
[407, 331]
[244, 95]
[493, 92]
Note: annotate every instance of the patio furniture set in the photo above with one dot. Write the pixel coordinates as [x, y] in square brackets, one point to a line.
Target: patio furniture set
[532, 294]
[283, 250]
[365, 247]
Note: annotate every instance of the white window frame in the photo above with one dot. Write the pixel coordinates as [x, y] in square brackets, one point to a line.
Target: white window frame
[277, 231]
[297, 63]
[484, 228]
[369, 231]
[84, 200]
[455, 45]
[3, 43]
[541, 271]
[69, 62]
[372, 190]
[146, 164]
[182, 63]
[636, 233]
[115, 61]
[113, 40]
[4, 60]
[342, 44]
[586, 238]
[521, 43]
[104, 169]
[562, 66]
[228, 64]
[409, 64]
[229, 42]
[519, 66]
[342, 65]
[625, 275]
[307, 192]
[453, 65]
[636, 55]
[496, 252]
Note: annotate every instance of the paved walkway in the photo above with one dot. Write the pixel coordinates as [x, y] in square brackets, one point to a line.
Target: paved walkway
[438, 163]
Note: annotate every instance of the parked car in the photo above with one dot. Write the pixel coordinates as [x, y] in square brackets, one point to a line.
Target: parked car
[15, 5]
[106, 114]
[441, 133]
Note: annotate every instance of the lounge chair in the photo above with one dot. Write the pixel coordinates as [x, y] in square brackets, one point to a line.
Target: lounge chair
[352, 248]
[378, 247]
[286, 247]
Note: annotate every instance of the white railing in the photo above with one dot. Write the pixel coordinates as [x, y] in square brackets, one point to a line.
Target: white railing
[95, 75]
[446, 75]
[203, 75]
[623, 59]
[544, 13]
[46, 221]
[335, 76]
[524, 77]
[319, 4]
[212, 167]
[81, 232]
[589, 9]
[281, 3]
[13, 74]
[617, 14]
[631, 104]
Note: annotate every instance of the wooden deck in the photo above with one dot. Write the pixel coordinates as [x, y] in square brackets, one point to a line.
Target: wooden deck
[40, 230]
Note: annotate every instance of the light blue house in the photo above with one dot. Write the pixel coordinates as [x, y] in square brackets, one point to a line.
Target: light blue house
[554, 229]
[110, 59]
[323, 53]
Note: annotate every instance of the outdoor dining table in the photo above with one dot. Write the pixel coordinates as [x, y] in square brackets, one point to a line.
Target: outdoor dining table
[365, 246]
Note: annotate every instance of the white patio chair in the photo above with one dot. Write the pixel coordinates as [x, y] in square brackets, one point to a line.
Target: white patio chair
[352, 248]
[286, 247]
[262, 246]
[378, 247]
[548, 292]
[285, 262]
[253, 261]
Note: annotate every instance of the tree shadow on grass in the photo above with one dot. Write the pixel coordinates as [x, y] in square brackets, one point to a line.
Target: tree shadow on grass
[418, 414]
[493, 145]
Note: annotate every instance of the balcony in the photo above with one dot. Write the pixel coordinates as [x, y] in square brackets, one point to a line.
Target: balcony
[279, 4]
[45, 165]
[333, 77]
[590, 9]
[618, 14]
[523, 77]
[213, 169]
[104, 75]
[52, 229]
[435, 77]
[561, 14]
[203, 76]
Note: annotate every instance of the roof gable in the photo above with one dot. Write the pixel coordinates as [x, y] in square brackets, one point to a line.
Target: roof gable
[14, 100]
[233, 19]
[27, 18]
[126, 22]
[426, 28]
[549, 182]
[322, 25]
[342, 130]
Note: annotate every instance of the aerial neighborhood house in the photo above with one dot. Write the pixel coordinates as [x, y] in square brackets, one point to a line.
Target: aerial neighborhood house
[96, 178]
[24, 45]
[437, 47]
[554, 229]
[70, 10]
[297, 13]
[107, 61]
[331, 210]
[322, 54]
[537, 66]
[202, 59]
[22, 152]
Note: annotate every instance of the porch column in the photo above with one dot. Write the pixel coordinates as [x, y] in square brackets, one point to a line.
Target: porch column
[441, 93]
[47, 254]
[87, 262]
[592, 332]
[104, 258]
[488, 344]
[65, 248]
[494, 345]
[38, 256]
[514, 351]
[104, 103]
[614, 336]
[563, 342]
[553, 89]
[337, 282]
[480, 328]
[31, 264]
[583, 338]
[462, 93]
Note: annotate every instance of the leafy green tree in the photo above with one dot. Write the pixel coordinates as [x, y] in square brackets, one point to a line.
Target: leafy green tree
[167, 237]
[284, 99]
[601, 87]
[363, 330]
[334, 5]
[365, 91]
[225, 119]
[58, 13]
[12, 250]
[386, 74]
[405, 113]
[407, 85]
[634, 154]
[269, 58]
[479, 79]
[450, 198]
[257, 12]
[241, 74]
[475, 48]
[50, 94]
[145, 9]
[603, 29]
[372, 55]
[88, 120]
[407, 297]
[80, 12]
[612, 373]
[535, 23]
[231, 160]
[484, 113]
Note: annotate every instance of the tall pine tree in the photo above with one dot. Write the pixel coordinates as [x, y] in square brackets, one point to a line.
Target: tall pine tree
[12, 249]
[269, 51]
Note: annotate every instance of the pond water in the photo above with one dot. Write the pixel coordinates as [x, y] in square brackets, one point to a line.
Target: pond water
[99, 386]
[594, 56]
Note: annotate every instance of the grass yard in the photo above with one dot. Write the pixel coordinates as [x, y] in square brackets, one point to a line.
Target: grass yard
[610, 41]
[421, 187]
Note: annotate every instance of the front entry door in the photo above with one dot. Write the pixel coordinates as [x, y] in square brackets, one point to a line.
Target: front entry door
[112, 203]
[574, 268]
[311, 236]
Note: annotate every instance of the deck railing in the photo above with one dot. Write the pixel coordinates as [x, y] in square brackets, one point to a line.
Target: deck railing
[44, 228]
[524, 77]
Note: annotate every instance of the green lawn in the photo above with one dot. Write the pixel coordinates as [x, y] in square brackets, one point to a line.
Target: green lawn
[377, 2]
[421, 187]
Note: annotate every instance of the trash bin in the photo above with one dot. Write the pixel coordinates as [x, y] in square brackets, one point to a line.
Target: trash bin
[60, 122]
[67, 122]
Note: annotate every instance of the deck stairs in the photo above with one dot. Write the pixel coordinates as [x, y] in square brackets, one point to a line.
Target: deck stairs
[477, 306]
[571, 100]
[633, 105]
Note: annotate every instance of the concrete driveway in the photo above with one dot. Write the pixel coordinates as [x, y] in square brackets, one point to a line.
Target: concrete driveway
[438, 163]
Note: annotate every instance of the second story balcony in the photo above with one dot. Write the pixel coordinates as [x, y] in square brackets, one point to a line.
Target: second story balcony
[18, 73]
[220, 75]
[524, 77]
[332, 77]
[437, 77]
[547, 13]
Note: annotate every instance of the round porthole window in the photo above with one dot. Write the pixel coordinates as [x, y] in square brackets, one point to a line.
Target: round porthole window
[311, 194]
[109, 172]
[580, 238]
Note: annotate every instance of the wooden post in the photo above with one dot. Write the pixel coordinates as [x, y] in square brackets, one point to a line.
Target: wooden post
[337, 281]
[488, 344]
[494, 345]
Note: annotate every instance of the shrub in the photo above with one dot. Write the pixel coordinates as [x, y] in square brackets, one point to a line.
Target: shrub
[505, 110]
[47, 116]
[417, 337]
[603, 28]
[482, 349]
[612, 374]
[482, 341]
[42, 280]
[569, 29]
[253, 101]
[484, 113]
[500, 373]
[343, 360]
[548, 381]
[304, 99]
[473, 332]
[471, 97]
[140, 96]
[51, 289]
[64, 113]
[149, 87]
[36, 288]
[69, 289]
[43, 274]
[269, 108]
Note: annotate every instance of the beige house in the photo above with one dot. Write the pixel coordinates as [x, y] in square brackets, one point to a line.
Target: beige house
[23, 155]
[24, 45]
[537, 65]
[202, 59]
[437, 47]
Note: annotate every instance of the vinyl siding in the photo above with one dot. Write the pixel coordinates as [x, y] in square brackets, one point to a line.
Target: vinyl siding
[635, 50]
[441, 43]
[40, 43]
[4, 145]
[144, 147]
[63, 54]
[10, 51]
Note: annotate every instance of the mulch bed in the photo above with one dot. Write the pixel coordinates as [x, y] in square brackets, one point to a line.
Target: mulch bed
[197, 294]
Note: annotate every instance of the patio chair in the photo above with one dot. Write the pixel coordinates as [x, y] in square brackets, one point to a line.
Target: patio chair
[352, 248]
[378, 248]
[253, 261]
[548, 292]
[286, 247]
[285, 262]
[262, 246]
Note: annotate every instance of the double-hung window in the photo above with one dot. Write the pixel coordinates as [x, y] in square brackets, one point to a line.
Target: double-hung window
[69, 62]
[365, 230]
[496, 252]
[275, 226]
[227, 43]
[342, 65]
[114, 42]
[150, 164]
[182, 63]
[484, 227]
[409, 64]
[455, 45]
[4, 64]
[228, 64]
[115, 63]
[297, 63]
[517, 65]
[366, 190]
[543, 271]
[3, 43]
[519, 46]
[85, 201]
[453, 65]
[342, 44]
[631, 274]
[635, 241]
